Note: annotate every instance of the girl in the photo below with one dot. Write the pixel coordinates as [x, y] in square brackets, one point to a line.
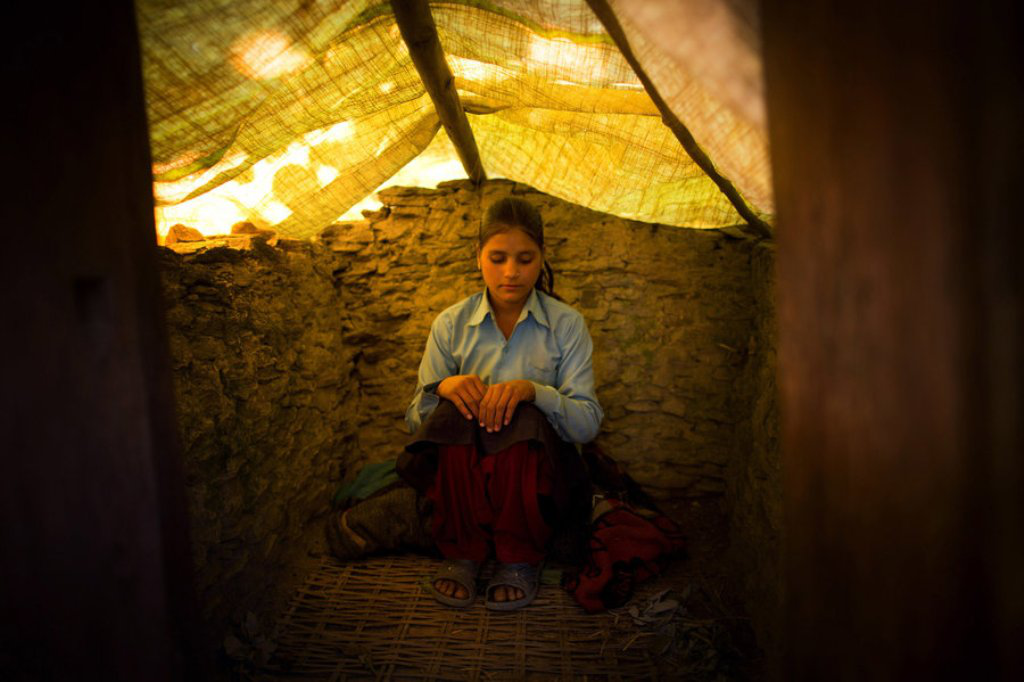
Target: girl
[505, 388]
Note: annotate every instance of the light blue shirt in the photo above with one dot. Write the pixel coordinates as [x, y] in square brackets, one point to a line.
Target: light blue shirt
[549, 346]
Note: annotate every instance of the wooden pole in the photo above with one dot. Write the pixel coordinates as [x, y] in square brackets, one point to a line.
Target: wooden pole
[420, 34]
[755, 225]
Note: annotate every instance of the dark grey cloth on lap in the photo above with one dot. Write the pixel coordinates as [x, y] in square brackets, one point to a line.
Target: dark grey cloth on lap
[447, 426]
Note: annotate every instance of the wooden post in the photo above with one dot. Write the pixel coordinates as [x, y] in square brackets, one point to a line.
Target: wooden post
[755, 225]
[420, 34]
[896, 131]
[95, 570]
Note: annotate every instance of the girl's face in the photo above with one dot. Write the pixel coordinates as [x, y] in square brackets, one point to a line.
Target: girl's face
[510, 262]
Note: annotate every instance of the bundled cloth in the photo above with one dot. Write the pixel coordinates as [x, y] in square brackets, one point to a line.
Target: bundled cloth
[376, 513]
[631, 540]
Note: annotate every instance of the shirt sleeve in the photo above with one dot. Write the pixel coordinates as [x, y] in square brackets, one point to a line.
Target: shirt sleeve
[572, 406]
[437, 364]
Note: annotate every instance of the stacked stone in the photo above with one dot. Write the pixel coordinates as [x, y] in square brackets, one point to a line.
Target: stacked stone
[295, 361]
[670, 311]
[264, 401]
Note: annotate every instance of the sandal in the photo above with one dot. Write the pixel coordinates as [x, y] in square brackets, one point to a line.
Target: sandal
[460, 571]
[522, 576]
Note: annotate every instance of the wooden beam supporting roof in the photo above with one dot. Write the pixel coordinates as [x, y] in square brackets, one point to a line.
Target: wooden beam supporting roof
[420, 34]
[756, 226]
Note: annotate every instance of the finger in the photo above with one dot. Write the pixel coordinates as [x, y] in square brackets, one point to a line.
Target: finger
[497, 417]
[478, 387]
[510, 408]
[461, 405]
[472, 402]
[481, 414]
[499, 408]
[471, 396]
[487, 407]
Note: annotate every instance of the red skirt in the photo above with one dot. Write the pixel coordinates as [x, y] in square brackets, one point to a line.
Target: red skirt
[489, 490]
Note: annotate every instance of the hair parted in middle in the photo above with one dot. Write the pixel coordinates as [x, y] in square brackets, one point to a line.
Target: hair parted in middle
[513, 213]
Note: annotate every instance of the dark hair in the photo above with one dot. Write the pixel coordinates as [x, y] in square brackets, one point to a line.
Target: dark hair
[514, 213]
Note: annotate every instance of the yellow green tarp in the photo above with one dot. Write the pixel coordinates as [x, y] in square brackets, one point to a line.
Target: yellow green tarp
[288, 113]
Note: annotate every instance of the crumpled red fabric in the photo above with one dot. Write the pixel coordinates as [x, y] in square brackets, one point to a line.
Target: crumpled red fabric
[480, 500]
[627, 546]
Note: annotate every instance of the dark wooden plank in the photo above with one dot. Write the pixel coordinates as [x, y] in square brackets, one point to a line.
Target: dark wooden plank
[420, 34]
[94, 566]
[895, 132]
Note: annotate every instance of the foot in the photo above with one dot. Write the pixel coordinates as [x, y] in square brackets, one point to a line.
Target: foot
[513, 586]
[506, 593]
[450, 588]
[454, 583]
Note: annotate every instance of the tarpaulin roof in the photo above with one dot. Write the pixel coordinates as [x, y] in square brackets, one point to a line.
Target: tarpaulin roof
[288, 112]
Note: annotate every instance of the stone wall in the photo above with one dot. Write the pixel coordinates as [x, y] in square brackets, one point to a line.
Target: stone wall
[264, 401]
[295, 362]
[670, 311]
[754, 491]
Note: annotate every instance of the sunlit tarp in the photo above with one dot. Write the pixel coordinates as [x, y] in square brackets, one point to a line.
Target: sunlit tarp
[709, 73]
[288, 113]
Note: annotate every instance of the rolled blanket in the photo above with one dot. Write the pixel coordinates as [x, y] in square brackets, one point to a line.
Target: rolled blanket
[393, 519]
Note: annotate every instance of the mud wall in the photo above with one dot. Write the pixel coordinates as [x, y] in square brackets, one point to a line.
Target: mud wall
[295, 362]
[263, 396]
[670, 312]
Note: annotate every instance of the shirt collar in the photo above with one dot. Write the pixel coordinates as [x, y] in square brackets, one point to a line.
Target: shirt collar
[533, 306]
